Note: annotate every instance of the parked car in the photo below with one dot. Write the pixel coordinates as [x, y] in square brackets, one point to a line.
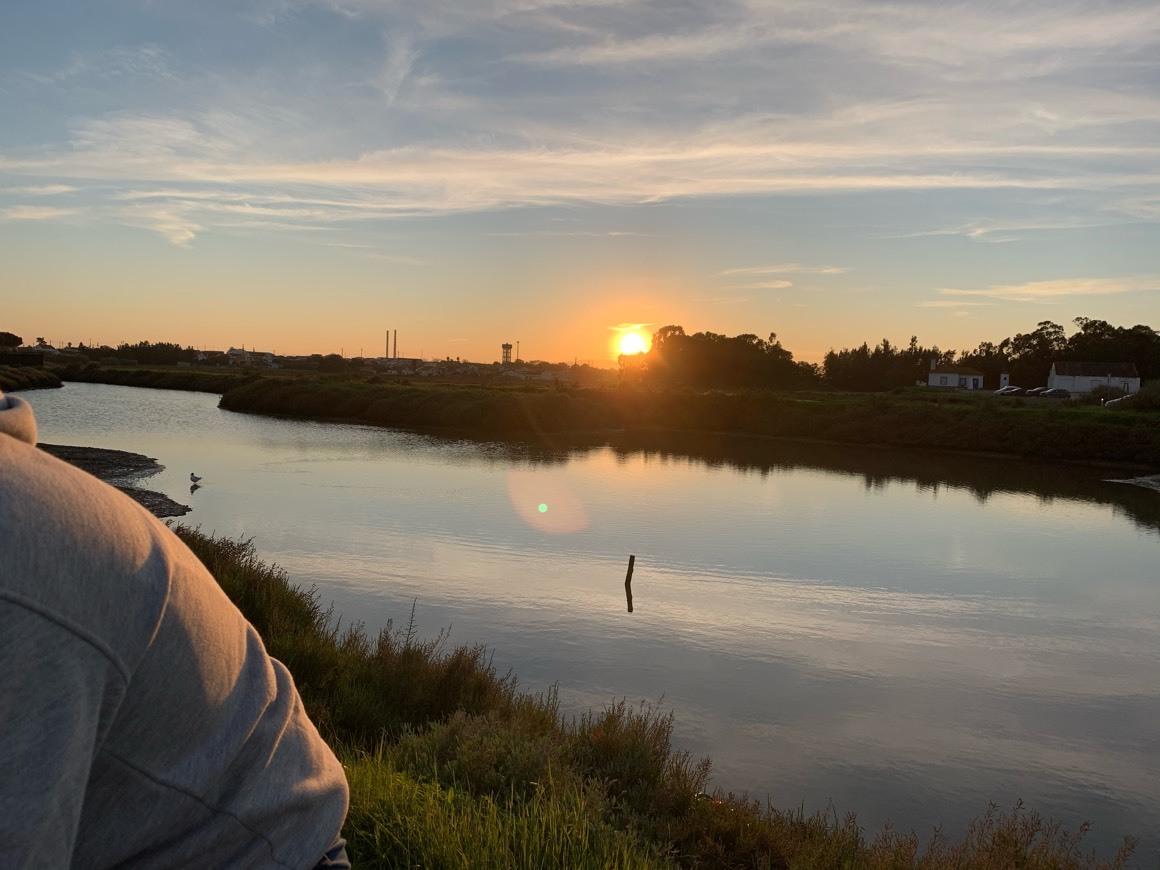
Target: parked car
[1056, 393]
[1010, 390]
[1035, 391]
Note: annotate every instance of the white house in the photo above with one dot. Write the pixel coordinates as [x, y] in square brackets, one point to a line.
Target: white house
[1083, 377]
[955, 377]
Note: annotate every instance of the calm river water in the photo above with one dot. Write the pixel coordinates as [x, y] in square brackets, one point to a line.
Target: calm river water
[908, 637]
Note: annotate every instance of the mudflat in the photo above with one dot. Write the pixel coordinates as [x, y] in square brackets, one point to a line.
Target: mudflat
[123, 470]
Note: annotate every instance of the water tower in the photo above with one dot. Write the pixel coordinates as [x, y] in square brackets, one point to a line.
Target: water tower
[507, 353]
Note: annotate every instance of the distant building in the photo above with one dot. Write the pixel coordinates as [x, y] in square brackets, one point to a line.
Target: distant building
[1083, 377]
[955, 377]
[507, 353]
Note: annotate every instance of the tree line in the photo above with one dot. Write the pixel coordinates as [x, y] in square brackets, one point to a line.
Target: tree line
[706, 360]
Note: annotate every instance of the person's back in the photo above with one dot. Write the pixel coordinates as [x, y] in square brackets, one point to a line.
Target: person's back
[143, 723]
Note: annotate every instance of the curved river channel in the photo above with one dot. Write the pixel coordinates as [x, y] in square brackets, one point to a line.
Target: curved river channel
[905, 636]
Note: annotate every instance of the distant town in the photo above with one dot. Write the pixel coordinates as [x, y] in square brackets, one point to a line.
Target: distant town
[41, 351]
[1097, 359]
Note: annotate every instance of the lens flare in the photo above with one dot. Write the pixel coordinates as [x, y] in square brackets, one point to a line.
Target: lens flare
[531, 495]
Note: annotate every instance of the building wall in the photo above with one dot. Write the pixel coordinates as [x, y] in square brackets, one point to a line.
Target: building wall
[952, 381]
[1085, 384]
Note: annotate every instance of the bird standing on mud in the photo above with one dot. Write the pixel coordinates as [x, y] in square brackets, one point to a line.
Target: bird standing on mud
[193, 478]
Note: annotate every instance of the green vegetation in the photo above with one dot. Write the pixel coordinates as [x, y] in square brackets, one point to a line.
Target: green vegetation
[192, 380]
[493, 410]
[27, 378]
[910, 418]
[452, 766]
[915, 418]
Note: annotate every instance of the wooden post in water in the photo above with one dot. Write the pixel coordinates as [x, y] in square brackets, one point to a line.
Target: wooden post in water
[628, 582]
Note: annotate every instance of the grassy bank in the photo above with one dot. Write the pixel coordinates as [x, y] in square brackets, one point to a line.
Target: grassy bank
[27, 378]
[913, 418]
[451, 765]
[160, 378]
[923, 419]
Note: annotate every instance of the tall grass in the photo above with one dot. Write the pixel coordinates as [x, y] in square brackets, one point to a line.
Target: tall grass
[450, 765]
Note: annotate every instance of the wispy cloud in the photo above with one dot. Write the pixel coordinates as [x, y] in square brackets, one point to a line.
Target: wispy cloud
[35, 213]
[1048, 291]
[723, 300]
[442, 107]
[760, 285]
[787, 268]
[42, 190]
[949, 303]
[401, 56]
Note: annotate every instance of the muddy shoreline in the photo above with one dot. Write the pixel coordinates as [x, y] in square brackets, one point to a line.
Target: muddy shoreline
[123, 470]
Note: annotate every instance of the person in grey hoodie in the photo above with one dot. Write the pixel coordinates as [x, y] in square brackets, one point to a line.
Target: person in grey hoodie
[142, 723]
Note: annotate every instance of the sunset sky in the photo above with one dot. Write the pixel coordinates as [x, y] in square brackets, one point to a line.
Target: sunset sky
[302, 176]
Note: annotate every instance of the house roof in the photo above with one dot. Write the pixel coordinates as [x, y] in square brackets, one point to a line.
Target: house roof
[955, 370]
[1095, 369]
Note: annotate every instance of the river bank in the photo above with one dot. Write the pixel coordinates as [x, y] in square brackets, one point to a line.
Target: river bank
[925, 419]
[929, 421]
[14, 378]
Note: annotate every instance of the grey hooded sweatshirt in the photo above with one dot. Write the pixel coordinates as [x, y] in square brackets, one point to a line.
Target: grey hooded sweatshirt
[142, 723]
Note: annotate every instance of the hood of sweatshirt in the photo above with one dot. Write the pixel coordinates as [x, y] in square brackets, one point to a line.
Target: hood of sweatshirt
[16, 419]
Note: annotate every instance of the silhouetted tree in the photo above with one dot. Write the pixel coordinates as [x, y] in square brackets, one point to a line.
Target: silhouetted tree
[882, 368]
[1027, 357]
[332, 363]
[706, 359]
[1099, 341]
[9, 339]
[162, 353]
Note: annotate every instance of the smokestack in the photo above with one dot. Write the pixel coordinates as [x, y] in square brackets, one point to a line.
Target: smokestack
[933, 360]
[396, 355]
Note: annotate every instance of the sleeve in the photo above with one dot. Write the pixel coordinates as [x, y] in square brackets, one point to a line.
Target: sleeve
[58, 690]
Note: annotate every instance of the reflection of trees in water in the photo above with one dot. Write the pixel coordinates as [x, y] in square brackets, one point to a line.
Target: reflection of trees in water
[981, 476]
[927, 471]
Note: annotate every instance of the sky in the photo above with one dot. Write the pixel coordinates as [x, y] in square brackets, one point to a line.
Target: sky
[301, 176]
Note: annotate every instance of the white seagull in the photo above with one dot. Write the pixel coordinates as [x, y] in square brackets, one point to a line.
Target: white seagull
[193, 477]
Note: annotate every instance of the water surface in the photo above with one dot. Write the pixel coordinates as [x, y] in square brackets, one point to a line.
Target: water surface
[906, 636]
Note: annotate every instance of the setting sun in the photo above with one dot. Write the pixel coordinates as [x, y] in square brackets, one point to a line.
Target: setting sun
[632, 342]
